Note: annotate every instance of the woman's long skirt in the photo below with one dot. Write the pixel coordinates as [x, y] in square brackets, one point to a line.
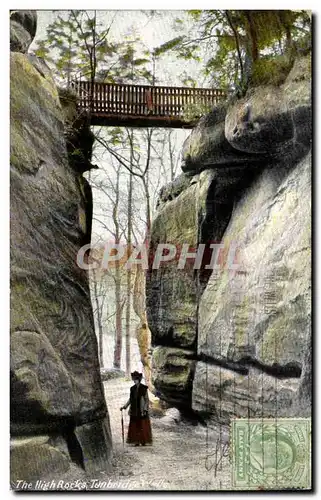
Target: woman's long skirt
[139, 431]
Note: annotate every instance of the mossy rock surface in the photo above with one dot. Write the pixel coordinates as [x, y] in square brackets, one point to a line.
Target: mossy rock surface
[54, 357]
[171, 290]
[34, 111]
[273, 120]
[172, 375]
[32, 459]
[226, 394]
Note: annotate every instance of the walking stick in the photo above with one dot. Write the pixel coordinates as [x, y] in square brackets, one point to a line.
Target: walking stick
[122, 428]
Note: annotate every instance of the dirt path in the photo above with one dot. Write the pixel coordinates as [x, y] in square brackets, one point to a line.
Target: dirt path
[182, 457]
[177, 460]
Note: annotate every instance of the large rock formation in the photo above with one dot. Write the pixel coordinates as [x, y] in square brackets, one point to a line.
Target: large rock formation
[188, 215]
[247, 325]
[56, 390]
[257, 321]
[23, 27]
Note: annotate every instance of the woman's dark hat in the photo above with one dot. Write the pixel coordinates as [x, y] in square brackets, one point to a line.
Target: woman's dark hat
[136, 375]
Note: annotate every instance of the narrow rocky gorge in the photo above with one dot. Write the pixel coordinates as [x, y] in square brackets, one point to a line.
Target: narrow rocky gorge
[233, 341]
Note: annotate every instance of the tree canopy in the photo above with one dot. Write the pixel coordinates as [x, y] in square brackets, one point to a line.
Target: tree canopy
[233, 41]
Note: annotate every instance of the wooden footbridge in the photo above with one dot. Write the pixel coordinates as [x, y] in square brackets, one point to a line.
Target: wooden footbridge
[119, 105]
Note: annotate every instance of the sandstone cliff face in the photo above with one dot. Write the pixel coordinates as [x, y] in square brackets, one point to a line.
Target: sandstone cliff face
[257, 322]
[241, 336]
[55, 380]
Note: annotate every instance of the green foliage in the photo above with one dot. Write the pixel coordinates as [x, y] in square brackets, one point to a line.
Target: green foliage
[116, 136]
[188, 81]
[77, 153]
[196, 14]
[140, 62]
[129, 68]
[178, 21]
[43, 51]
[270, 70]
[170, 45]
[233, 41]
[76, 46]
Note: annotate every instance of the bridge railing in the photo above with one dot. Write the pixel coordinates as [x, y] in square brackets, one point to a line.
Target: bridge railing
[142, 100]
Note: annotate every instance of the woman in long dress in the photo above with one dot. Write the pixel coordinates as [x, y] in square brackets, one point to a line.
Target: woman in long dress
[139, 429]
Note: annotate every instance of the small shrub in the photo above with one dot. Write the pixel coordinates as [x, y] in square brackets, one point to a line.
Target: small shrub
[193, 112]
[271, 71]
[112, 373]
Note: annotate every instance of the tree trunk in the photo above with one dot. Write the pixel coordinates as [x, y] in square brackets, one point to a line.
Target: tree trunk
[285, 22]
[253, 36]
[119, 307]
[69, 62]
[148, 210]
[128, 277]
[99, 323]
[119, 333]
[93, 64]
[171, 156]
[237, 43]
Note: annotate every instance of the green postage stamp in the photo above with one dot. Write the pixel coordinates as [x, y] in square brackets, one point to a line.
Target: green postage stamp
[271, 454]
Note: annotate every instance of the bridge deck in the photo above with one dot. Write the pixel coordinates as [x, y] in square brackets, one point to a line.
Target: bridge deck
[143, 105]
